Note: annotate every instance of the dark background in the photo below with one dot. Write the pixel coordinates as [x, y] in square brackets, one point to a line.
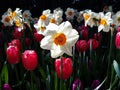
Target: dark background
[37, 6]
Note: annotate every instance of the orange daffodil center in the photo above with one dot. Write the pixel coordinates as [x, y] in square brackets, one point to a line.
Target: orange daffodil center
[43, 17]
[86, 16]
[103, 22]
[6, 19]
[70, 13]
[52, 20]
[119, 19]
[14, 14]
[59, 39]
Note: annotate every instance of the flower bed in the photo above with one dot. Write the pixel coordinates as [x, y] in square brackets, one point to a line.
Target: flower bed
[78, 52]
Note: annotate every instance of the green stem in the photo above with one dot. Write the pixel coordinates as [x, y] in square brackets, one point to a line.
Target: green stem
[17, 76]
[31, 80]
[109, 63]
[61, 81]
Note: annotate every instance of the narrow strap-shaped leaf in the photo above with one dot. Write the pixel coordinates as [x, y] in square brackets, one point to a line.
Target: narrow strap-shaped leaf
[4, 73]
[116, 67]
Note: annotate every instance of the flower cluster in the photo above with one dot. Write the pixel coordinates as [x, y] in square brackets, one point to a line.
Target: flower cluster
[79, 51]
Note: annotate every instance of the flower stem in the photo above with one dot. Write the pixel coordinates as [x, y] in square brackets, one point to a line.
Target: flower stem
[17, 76]
[109, 63]
[61, 81]
[31, 80]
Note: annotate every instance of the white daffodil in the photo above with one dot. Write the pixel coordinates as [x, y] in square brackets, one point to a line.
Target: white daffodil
[27, 16]
[57, 16]
[87, 16]
[105, 21]
[7, 20]
[116, 19]
[93, 21]
[43, 21]
[80, 16]
[70, 13]
[59, 39]
[17, 14]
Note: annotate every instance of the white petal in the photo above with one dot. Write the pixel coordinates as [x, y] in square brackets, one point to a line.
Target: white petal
[65, 27]
[100, 27]
[46, 43]
[106, 29]
[67, 49]
[56, 52]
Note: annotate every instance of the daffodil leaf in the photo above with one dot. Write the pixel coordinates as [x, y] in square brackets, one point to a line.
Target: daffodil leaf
[4, 73]
[116, 67]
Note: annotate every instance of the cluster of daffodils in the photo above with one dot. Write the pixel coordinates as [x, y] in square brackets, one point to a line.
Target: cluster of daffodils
[17, 18]
[48, 17]
[103, 20]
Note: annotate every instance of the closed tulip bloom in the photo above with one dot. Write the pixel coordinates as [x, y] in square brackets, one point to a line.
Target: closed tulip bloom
[77, 85]
[13, 55]
[81, 45]
[38, 37]
[95, 83]
[94, 43]
[29, 59]
[63, 67]
[16, 42]
[117, 40]
[7, 87]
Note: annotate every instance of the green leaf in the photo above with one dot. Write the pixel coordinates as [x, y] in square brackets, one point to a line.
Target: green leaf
[4, 73]
[116, 67]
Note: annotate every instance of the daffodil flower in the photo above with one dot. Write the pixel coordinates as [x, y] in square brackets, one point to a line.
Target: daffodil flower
[116, 18]
[59, 39]
[43, 21]
[105, 21]
[87, 16]
[70, 13]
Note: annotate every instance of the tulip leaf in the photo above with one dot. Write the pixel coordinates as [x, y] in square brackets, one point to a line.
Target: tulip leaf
[4, 73]
[116, 67]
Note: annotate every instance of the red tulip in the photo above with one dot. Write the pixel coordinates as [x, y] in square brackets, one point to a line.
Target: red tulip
[7, 87]
[94, 43]
[66, 65]
[29, 59]
[17, 43]
[18, 34]
[81, 45]
[13, 54]
[117, 40]
[38, 37]
[95, 83]
[97, 36]
[118, 29]
[28, 41]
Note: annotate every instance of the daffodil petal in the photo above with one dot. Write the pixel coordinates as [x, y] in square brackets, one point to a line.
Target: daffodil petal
[56, 53]
[100, 28]
[65, 27]
[46, 43]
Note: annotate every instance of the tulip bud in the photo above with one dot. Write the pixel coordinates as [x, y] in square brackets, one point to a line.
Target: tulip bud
[118, 29]
[94, 43]
[29, 59]
[95, 83]
[18, 34]
[13, 55]
[17, 43]
[7, 87]
[28, 41]
[117, 40]
[81, 45]
[97, 36]
[63, 67]
[77, 84]
[38, 37]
